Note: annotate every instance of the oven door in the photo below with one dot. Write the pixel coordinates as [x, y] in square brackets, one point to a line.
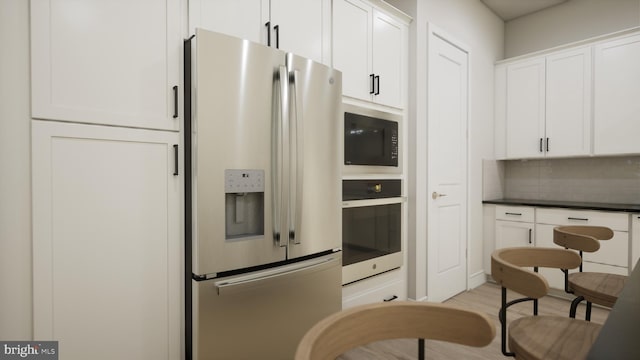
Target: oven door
[371, 237]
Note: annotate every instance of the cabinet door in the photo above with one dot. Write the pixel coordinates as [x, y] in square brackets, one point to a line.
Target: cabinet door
[106, 62]
[616, 105]
[245, 19]
[106, 241]
[513, 233]
[614, 251]
[568, 103]
[352, 47]
[525, 108]
[544, 238]
[387, 60]
[302, 25]
[500, 111]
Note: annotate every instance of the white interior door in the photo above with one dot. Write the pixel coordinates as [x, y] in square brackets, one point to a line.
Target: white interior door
[447, 169]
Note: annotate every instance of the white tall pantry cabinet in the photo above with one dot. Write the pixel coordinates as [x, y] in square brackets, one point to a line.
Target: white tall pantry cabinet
[107, 256]
[106, 184]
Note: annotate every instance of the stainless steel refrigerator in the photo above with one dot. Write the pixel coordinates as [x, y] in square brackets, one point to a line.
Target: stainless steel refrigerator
[263, 223]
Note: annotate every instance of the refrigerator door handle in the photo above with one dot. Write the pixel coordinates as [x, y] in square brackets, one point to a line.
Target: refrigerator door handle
[279, 164]
[228, 287]
[296, 160]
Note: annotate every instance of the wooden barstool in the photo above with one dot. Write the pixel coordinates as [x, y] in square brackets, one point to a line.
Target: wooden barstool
[594, 287]
[364, 324]
[538, 337]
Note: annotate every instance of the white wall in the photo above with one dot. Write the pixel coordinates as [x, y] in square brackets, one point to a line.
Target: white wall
[15, 176]
[470, 22]
[568, 22]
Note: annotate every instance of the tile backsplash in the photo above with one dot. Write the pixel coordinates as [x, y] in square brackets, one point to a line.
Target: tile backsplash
[610, 180]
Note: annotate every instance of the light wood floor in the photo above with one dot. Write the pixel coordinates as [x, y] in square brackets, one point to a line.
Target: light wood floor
[485, 298]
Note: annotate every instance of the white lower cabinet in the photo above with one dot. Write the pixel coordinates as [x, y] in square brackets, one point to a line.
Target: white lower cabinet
[612, 257]
[107, 254]
[390, 286]
[514, 226]
[531, 226]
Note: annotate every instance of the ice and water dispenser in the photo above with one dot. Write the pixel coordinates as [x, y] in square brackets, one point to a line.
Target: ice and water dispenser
[244, 203]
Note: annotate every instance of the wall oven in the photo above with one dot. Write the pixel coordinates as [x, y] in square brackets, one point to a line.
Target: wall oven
[371, 228]
[371, 141]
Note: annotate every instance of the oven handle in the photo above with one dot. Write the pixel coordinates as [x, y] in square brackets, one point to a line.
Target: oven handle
[373, 202]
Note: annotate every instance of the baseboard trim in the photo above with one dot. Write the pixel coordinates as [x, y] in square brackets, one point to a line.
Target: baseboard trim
[476, 280]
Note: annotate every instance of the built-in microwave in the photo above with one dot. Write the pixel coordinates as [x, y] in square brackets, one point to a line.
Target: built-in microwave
[371, 141]
[371, 228]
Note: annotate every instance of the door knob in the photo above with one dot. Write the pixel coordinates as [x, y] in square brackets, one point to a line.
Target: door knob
[435, 195]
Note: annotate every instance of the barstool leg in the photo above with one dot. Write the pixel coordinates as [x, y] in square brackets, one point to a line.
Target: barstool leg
[574, 306]
[420, 349]
[587, 315]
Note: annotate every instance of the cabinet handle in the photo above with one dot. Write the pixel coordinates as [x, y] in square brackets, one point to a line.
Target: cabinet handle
[277, 30]
[377, 85]
[268, 25]
[541, 140]
[512, 213]
[390, 298]
[373, 82]
[530, 231]
[175, 101]
[580, 219]
[175, 159]
[547, 144]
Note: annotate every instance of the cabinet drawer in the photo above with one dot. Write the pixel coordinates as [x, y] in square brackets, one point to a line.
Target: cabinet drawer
[615, 221]
[393, 291]
[515, 213]
[595, 267]
[614, 251]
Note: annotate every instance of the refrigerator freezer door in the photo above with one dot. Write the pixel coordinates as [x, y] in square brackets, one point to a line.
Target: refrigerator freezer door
[238, 98]
[316, 108]
[264, 315]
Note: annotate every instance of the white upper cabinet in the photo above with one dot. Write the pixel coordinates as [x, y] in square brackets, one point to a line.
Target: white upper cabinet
[302, 27]
[245, 19]
[525, 108]
[546, 105]
[568, 103]
[369, 49]
[617, 96]
[107, 62]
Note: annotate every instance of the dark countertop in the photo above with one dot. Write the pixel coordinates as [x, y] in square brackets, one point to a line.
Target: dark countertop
[618, 338]
[567, 204]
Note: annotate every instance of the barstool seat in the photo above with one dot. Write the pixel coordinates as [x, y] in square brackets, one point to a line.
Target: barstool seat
[597, 288]
[551, 337]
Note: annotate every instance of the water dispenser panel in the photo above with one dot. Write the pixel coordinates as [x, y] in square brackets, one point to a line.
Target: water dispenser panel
[243, 181]
[244, 203]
